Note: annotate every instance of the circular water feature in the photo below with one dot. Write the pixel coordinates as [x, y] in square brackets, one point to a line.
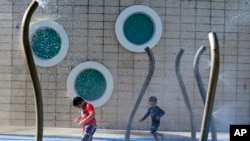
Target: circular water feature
[92, 81]
[90, 84]
[46, 43]
[49, 43]
[138, 27]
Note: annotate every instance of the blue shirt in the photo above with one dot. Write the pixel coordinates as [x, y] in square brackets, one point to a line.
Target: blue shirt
[154, 112]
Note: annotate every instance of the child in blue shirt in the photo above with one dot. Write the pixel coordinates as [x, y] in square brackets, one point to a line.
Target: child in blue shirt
[156, 113]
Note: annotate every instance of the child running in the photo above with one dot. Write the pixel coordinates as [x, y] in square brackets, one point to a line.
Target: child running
[156, 113]
[87, 119]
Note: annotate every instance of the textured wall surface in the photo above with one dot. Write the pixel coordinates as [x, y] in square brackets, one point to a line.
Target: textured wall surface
[90, 25]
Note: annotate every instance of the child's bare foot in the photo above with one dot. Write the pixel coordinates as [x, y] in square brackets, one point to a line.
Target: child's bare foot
[162, 136]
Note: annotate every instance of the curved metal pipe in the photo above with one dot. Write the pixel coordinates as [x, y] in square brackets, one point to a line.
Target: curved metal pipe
[185, 95]
[214, 71]
[144, 87]
[197, 74]
[201, 86]
[32, 68]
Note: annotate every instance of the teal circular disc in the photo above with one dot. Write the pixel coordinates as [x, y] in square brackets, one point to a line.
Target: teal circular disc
[90, 84]
[138, 28]
[46, 43]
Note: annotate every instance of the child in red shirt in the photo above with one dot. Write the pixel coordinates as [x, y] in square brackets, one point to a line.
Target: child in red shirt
[87, 119]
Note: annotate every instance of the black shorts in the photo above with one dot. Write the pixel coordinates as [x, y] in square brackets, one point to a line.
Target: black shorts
[154, 126]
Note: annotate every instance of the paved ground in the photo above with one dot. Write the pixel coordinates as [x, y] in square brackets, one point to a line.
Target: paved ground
[100, 133]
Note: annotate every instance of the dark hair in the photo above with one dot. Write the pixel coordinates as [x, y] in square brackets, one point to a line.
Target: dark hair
[77, 100]
[152, 99]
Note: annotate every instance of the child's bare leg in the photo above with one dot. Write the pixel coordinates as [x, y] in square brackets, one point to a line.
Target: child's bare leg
[155, 136]
[160, 134]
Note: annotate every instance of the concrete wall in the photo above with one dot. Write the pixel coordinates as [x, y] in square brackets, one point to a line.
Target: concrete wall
[90, 27]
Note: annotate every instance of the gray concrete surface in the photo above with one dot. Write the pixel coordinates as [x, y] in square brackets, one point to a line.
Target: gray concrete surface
[100, 133]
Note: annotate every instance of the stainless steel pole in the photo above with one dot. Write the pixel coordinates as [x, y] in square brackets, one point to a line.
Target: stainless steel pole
[215, 64]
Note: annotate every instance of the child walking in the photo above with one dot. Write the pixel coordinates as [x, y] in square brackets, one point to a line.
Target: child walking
[87, 119]
[156, 113]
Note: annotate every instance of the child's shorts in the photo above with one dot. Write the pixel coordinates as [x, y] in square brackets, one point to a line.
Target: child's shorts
[154, 126]
[89, 130]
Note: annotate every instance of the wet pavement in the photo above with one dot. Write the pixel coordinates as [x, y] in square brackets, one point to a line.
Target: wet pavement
[19, 131]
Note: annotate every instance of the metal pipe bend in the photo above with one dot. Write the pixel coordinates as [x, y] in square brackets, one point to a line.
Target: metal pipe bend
[32, 68]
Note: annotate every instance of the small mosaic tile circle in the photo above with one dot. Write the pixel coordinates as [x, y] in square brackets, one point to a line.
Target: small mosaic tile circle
[92, 81]
[49, 43]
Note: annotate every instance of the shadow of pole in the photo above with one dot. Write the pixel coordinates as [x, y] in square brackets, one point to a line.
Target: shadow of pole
[184, 94]
[201, 87]
[214, 71]
[142, 92]
[32, 68]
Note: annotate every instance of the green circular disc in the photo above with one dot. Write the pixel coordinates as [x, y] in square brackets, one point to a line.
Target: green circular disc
[46, 43]
[138, 28]
[90, 84]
